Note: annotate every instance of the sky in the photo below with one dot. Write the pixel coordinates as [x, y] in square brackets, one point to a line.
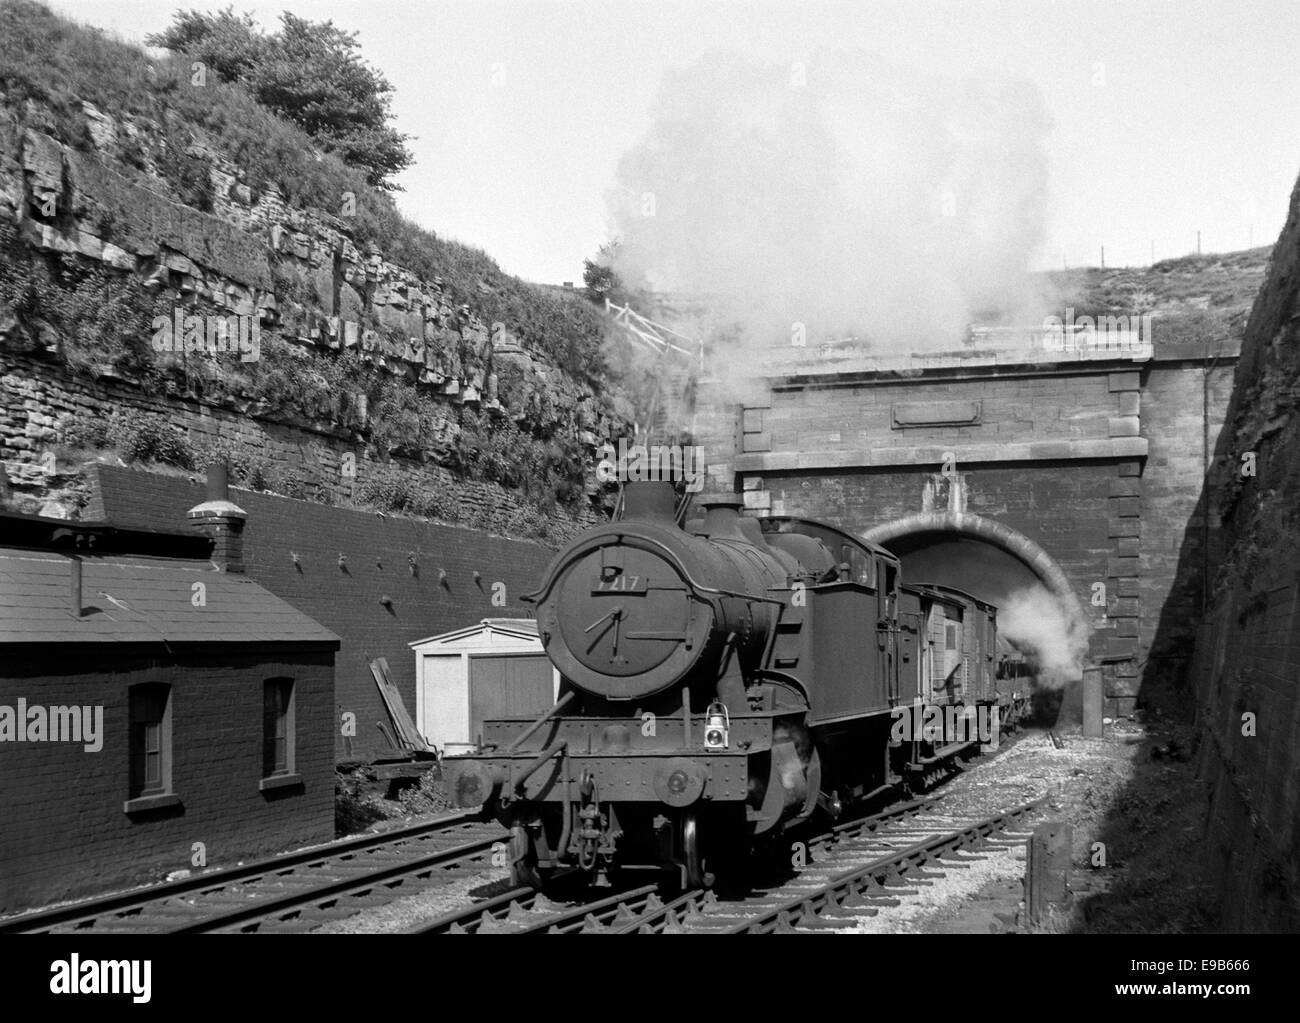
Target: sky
[1168, 118]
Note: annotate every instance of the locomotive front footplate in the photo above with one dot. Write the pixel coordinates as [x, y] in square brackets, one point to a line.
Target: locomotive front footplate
[677, 778]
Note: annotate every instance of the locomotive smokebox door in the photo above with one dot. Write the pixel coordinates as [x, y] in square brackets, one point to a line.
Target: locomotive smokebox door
[625, 623]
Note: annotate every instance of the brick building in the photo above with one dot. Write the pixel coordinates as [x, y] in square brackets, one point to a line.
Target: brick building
[158, 709]
[378, 582]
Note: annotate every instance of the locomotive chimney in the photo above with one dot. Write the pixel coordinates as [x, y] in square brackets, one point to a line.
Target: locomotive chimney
[650, 502]
[722, 516]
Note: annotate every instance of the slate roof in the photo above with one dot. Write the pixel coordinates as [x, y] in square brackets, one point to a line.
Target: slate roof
[141, 599]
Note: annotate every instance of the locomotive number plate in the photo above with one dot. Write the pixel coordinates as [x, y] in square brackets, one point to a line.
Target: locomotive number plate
[622, 584]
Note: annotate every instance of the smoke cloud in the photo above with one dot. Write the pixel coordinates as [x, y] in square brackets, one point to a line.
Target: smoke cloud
[1033, 619]
[846, 194]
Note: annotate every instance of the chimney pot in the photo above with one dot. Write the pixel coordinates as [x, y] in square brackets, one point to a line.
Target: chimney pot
[218, 481]
[222, 520]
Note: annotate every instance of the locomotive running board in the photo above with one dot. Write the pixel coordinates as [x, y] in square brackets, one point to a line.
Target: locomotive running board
[942, 754]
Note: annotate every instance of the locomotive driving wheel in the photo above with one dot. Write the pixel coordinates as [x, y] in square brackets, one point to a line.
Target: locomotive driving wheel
[692, 856]
[713, 853]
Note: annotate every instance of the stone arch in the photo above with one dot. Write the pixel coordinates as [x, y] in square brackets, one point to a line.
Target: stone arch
[1019, 546]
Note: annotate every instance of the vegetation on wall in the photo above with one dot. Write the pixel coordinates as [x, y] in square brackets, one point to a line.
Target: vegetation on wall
[98, 319]
[90, 315]
[138, 437]
[57, 64]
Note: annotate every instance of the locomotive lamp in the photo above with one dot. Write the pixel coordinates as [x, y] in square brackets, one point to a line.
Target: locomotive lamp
[717, 726]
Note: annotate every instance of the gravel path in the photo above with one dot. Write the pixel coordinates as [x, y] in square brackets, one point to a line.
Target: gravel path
[1082, 780]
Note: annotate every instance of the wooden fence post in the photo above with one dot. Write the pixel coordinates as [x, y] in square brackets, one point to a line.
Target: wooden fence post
[1093, 695]
[1047, 869]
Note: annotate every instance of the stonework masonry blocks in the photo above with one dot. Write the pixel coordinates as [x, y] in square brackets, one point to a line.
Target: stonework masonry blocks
[1101, 465]
[313, 455]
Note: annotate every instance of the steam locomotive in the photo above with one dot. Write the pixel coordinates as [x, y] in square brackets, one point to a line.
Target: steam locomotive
[722, 682]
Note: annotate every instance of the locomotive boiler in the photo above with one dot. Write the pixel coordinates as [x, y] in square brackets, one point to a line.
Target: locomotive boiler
[720, 683]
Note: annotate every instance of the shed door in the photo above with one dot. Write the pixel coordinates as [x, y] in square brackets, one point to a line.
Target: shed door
[444, 711]
[521, 686]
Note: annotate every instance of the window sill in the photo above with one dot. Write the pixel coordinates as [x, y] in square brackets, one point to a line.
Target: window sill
[279, 781]
[141, 804]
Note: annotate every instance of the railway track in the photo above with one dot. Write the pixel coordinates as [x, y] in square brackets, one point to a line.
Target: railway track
[524, 911]
[852, 870]
[300, 891]
[295, 892]
[854, 882]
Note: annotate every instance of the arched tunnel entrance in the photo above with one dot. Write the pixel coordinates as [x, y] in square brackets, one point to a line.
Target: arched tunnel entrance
[1038, 610]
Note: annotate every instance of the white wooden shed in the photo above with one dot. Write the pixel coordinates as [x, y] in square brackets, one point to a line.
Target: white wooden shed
[494, 669]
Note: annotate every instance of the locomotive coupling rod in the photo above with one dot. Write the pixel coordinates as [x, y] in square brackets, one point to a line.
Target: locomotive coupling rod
[526, 734]
[539, 762]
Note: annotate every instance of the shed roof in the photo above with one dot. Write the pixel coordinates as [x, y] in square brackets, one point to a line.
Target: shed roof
[517, 628]
[141, 599]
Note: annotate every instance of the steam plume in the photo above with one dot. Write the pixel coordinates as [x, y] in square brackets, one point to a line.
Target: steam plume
[845, 194]
[1033, 619]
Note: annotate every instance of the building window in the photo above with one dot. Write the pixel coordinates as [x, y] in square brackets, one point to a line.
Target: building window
[151, 740]
[951, 638]
[277, 727]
